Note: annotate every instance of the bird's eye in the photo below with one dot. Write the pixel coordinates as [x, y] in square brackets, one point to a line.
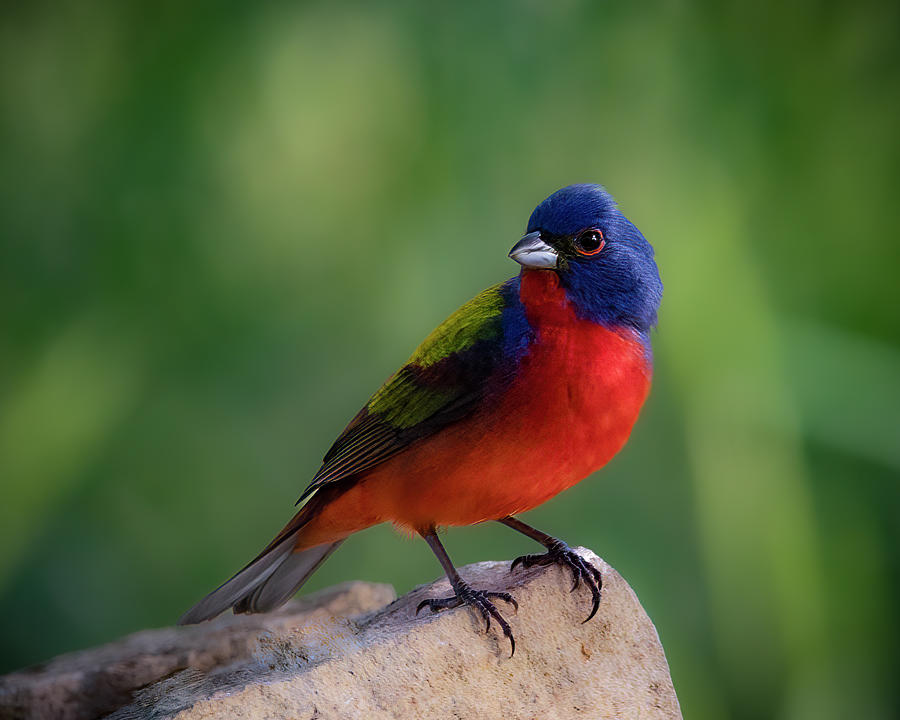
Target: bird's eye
[589, 242]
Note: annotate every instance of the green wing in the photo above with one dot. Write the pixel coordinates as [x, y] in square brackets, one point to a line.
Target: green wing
[446, 378]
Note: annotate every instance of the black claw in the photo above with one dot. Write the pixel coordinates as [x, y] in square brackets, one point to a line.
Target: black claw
[512, 643]
[423, 604]
[479, 599]
[507, 598]
[596, 605]
[582, 571]
[486, 616]
[527, 561]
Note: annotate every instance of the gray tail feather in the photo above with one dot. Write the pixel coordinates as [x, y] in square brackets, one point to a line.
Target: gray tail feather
[280, 586]
[267, 582]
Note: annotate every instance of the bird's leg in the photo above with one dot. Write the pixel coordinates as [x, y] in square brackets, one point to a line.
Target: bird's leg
[465, 594]
[559, 553]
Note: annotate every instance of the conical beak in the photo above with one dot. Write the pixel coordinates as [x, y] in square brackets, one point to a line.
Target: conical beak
[532, 252]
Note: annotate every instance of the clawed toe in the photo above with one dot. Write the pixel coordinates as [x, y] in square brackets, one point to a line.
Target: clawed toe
[481, 601]
[505, 597]
[527, 561]
[582, 570]
[438, 604]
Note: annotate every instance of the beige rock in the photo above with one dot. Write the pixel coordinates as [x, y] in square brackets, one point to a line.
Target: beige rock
[320, 663]
[91, 683]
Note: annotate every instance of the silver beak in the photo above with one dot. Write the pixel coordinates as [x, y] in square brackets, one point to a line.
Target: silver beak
[532, 252]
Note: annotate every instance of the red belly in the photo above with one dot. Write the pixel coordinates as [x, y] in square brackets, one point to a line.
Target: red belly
[571, 408]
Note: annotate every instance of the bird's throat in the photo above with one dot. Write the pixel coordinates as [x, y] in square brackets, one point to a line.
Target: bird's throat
[544, 297]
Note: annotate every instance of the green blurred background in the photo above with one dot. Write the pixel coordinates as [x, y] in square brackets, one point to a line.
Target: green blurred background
[222, 225]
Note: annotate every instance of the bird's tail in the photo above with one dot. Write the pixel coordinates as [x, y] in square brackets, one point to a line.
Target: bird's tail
[267, 582]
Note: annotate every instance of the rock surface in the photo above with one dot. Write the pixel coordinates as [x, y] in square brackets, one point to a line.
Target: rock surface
[342, 654]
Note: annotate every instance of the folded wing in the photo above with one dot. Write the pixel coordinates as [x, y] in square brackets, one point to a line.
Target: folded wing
[471, 356]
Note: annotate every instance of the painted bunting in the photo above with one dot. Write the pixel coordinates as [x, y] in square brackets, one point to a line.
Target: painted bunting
[521, 393]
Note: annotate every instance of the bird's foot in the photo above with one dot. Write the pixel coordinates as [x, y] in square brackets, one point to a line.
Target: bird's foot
[481, 600]
[582, 571]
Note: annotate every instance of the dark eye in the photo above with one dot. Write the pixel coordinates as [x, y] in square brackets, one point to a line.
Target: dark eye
[589, 242]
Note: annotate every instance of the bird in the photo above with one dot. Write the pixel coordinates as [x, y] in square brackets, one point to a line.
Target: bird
[524, 391]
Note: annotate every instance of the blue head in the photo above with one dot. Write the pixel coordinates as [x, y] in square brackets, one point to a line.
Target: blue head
[603, 262]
